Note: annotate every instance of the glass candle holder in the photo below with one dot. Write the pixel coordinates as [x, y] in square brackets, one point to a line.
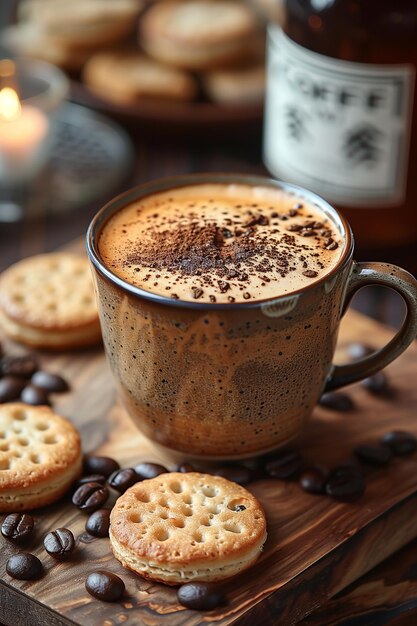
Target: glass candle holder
[31, 92]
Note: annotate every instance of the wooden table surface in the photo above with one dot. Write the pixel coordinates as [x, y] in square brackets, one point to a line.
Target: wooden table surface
[388, 594]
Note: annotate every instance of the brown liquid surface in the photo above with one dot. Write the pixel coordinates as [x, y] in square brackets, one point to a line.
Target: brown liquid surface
[220, 243]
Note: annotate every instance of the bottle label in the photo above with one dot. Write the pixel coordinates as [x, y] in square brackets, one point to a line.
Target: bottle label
[338, 128]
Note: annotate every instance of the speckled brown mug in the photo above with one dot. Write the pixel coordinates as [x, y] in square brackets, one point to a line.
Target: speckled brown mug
[235, 380]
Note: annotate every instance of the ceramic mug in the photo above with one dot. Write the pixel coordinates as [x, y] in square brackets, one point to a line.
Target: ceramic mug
[227, 381]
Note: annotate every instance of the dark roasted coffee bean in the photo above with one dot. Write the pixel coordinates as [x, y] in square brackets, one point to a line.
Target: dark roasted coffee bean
[105, 586]
[184, 468]
[122, 479]
[34, 395]
[345, 483]
[358, 351]
[287, 465]
[400, 442]
[24, 566]
[149, 470]
[11, 388]
[374, 455]
[337, 401]
[59, 544]
[313, 480]
[90, 497]
[50, 382]
[17, 527]
[98, 523]
[378, 385]
[100, 465]
[92, 478]
[21, 366]
[200, 596]
[236, 473]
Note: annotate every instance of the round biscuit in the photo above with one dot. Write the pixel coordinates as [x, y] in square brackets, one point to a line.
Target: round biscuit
[135, 77]
[187, 527]
[82, 23]
[48, 301]
[199, 34]
[40, 456]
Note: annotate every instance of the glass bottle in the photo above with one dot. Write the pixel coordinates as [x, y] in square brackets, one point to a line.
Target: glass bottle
[341, 116]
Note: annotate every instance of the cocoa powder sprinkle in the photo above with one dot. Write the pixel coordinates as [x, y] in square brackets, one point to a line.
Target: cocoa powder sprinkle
[216, 253]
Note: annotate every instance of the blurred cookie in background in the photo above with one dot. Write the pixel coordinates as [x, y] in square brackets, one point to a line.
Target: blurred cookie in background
[66, 33]
[269, 10]
[200, 34]
[82, 23]
[245, 85]
[128, 75]
[27, 39]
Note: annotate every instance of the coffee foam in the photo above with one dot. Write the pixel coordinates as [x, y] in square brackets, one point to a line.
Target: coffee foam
[220, 243]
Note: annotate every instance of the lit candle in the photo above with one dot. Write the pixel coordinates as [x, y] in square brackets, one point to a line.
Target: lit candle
[22, 128]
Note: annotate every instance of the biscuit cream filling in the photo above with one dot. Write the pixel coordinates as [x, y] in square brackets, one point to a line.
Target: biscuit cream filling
[166, 570]
[44, 487]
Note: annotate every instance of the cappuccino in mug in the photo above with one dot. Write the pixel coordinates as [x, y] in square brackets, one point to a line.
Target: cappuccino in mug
[220, 298]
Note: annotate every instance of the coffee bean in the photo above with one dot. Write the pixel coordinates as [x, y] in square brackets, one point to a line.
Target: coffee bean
[100, 465]
[90, 497]
[50, 382]
[184, 468]
[374, 455]
[59, 543]
[378, 385]
[92, 478]
[337, 401]
[287, 465]
[358, 351]
[149, 470]
[313, 480]
[105, 586]
[21, 366]
[400, 442]
[122, 479]
[17, 527]
[34, 395]
[24, 566]
[345, 483]
[98, 523]
[11, 388]
[200, 596]
[236, 473]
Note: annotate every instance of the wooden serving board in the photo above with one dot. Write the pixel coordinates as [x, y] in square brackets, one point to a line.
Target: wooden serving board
[315, 546]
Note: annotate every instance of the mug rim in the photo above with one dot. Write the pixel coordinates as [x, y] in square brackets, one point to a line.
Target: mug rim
[172, 182]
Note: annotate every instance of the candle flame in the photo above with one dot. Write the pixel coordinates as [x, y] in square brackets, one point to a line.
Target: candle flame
[10, 107]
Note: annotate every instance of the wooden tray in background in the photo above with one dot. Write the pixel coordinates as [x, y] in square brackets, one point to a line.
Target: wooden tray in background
[315, 546]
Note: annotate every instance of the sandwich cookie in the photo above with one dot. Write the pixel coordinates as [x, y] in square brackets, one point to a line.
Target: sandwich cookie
[179, 527]
[40, 456]
[47, 301]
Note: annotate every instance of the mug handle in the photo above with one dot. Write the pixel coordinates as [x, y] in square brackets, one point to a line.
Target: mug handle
[405, 284]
